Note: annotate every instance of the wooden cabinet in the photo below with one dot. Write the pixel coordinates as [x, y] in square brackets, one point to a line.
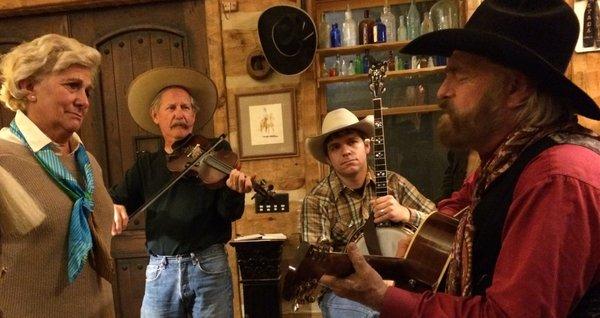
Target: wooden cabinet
[409, 104]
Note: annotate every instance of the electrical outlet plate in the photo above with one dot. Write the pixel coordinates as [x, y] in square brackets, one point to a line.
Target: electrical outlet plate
[279, 203]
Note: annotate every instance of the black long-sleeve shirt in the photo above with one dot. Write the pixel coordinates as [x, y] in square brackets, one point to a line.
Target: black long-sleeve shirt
[187, 218]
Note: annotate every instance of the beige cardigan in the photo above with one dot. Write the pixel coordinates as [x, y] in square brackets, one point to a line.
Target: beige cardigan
[35, 283]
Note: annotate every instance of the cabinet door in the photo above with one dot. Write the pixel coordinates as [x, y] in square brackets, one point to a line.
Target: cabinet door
[132, 40]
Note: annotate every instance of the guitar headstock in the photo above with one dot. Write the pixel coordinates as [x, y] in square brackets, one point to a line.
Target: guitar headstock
[303, 274]
[376, 75]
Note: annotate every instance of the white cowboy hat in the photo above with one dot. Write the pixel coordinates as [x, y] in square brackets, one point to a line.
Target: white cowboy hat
[333, 122]
[144, 88]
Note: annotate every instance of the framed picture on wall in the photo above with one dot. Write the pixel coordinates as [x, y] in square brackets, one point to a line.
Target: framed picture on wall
[267, 124]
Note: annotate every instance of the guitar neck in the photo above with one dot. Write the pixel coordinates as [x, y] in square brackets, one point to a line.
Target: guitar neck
[400, 270]
[378, 143]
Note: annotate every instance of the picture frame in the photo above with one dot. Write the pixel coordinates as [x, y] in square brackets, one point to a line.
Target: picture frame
[579, 7]
[267, 124]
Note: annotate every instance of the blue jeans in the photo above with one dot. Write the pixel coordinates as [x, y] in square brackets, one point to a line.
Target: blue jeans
[196, 285]
[334, 306]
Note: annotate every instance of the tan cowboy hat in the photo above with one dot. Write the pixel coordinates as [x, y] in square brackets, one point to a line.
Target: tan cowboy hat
[144, 88]
[333, 122]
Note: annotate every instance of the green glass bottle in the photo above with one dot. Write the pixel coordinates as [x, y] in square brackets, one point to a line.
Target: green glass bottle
[358, 65]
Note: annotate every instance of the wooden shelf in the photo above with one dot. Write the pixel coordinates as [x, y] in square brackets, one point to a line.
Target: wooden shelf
[346, 50]
[399, 110]
[337, 5]
[401, 73]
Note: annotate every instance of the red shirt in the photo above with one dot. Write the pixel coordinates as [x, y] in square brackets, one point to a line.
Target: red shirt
[550, 252]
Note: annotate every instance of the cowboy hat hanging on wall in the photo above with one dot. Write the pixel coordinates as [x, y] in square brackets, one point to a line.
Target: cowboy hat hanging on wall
[288, 38]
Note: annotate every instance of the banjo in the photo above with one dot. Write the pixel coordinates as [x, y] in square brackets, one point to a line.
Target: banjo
[387, 240]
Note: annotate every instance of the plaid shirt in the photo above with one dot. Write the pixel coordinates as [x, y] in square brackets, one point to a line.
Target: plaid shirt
[332, 211]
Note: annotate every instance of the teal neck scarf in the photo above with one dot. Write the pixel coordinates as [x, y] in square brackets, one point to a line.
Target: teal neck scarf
[80, 236]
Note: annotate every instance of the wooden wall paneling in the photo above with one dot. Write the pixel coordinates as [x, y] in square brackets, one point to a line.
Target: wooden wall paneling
[215, 63]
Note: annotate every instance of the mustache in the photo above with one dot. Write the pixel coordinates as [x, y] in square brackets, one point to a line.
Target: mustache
[179, 123]
[446, 105]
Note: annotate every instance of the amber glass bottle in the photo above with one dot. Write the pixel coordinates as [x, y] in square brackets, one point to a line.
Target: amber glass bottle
[365, 29]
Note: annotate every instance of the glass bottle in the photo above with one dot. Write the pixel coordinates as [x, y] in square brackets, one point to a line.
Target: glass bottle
[398, 61]
[349, 29]
[336, 36]
[379, 32]
[413, 21]
[366, 62]
[388, 18]
[324, 70]
[344, 68]
[358, 67]
[444, 14]
[391, 66]
[351, 69]
[365, 29]
[588, 28]
[337, 65]
[402, 28]
[324, 30]
[427, 24]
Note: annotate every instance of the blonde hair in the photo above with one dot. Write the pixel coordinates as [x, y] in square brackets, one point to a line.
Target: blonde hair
[42, 56]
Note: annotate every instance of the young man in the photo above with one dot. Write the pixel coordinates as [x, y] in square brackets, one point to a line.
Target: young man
[342, 201]
[528, 244]
[187, 227]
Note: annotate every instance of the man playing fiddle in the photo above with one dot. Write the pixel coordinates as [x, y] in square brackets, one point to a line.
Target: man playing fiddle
[187, 227]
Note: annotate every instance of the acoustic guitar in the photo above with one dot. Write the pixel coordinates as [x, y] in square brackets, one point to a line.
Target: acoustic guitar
[422, 269]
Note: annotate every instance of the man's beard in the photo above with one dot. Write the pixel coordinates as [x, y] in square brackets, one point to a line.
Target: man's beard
[472, 129]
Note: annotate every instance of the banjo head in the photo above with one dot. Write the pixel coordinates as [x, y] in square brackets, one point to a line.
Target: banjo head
[394, 241]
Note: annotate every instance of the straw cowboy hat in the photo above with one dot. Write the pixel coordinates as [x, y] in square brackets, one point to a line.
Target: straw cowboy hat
[333, 122]
[536, 37]
[288, 38]
[144, 88]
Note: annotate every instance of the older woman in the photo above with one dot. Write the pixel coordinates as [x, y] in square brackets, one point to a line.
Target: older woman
[54, 257]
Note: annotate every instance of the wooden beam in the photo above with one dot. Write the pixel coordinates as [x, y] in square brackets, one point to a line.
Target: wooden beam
[30, 7]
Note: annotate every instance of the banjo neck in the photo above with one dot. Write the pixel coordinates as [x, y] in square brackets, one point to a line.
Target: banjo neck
[376, 75]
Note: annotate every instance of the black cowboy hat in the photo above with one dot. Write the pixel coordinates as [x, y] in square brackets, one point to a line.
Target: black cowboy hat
[536, 37]
[288, 38]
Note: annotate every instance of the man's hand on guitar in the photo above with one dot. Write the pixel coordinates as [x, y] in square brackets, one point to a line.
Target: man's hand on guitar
[387, 208]
[365, 285]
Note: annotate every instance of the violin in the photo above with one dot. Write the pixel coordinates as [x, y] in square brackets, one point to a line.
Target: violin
[214, 168]
[208, 160]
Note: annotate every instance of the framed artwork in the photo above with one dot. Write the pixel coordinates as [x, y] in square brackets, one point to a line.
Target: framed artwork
[267, 124]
